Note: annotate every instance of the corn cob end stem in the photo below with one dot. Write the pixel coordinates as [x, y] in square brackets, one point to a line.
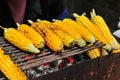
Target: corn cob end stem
[42, 44]
[81, 42]
[92, 40]
[33, 49]
[38, 20]
[30, 21]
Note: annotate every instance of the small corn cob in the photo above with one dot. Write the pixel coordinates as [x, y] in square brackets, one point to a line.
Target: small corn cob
[85, 33]
[93, 53]
[11, 70]
[99, 22]
[64, 26]
[91, 27]
[19, 40]
[33, 35]
[52, 40]
[67, 39]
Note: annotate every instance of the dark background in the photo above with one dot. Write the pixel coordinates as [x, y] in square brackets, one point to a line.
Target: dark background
[108, 9]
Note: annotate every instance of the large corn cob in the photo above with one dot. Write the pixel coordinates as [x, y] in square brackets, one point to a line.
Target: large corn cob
[99, 22]
[76, 35]
[11, 70]
[33, 35]
[91, 27]
[19, 40]
[52, 40]
[67, 39]
[85, 33]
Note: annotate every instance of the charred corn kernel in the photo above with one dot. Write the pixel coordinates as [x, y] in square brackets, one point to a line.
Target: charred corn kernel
[91, 27]
[33, 35]
[85, 33]
[100, 23]
[76, 35]
[11, 70]
[19, 40]
[52, 40]
[67, 39]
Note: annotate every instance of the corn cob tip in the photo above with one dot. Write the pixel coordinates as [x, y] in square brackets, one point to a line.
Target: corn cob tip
[92, 40]
[42, 44]
[93, 14]
[3, 28]
[81, 42]
[72, 43]
[108, 47]
[33, 49]
[30, 21]
[38, 20]
[17, 24]
[114, 44]
[55, 20]
[75, 15]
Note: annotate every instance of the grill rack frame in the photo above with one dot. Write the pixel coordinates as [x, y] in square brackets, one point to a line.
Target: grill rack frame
[18, 55]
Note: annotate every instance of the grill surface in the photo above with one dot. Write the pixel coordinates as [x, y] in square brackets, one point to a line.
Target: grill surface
[27, 60]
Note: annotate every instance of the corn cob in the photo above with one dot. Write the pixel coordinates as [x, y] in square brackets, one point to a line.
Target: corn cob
[33, 35]
[19, 40]
[67, 39]
[93, 53]
[85, 33]
[52, 40]
[64, 26]
[91, 27]
[99, 22]
[11, 70]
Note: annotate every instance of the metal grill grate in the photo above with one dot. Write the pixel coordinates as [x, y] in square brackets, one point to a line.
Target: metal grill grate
[27, 60]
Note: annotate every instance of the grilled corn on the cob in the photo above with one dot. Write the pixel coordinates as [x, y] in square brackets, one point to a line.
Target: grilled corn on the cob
[100, 23]
[67, 39]
[91, 27]
[52, 40]
[11, 70]
[76, 35]
[33, 35]
[85, 33]
[19, 40]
